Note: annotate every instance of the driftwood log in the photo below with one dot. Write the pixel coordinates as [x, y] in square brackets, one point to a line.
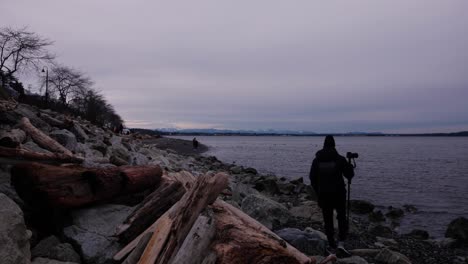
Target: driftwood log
[24, 154]
[173, 228]
[69, 187]
[238, 237]
[42, 139]
[241, 239]
[12, 138]
[55, 122]
[154, 205]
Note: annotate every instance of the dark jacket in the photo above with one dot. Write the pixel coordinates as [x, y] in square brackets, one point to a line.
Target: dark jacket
[327, 171]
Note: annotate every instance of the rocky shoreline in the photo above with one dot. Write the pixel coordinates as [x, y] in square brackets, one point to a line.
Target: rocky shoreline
[289, 208]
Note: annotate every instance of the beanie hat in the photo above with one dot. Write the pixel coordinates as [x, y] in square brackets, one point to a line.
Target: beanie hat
[329, 142]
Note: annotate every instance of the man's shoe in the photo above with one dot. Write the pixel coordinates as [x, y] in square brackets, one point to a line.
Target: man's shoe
[341, 252]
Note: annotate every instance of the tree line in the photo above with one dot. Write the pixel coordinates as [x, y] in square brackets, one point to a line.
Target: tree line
[67, 89]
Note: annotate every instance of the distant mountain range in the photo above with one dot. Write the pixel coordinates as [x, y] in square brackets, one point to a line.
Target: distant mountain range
[275, 132]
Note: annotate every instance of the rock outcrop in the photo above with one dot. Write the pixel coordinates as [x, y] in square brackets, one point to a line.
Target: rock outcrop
[14, 237]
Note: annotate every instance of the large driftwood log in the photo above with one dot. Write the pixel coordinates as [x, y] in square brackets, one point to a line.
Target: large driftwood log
[136, 253]
[173, 228]
[154, 205]
[12, 138]
[187, 180]
[68, 187]
[241, 239]
[42, 139]
[24, 154]
[55, 122]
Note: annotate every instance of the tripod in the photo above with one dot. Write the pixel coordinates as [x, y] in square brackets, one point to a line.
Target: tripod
[352, 162]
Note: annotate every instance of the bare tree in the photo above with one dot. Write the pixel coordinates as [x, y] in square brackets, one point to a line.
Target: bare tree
[68, 83]
[20, 49]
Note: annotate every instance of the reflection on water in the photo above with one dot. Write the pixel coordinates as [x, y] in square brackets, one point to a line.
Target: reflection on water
[428, 172]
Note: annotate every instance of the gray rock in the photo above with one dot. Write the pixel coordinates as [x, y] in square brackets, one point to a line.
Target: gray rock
[388, 242]
[50, 247]
[418, 234]
[64, 137]
[267, 185]
[286, 188]
[119, 152]
[376, 216]
[240, 191]
[99, 146]
[361, 207]
[79, 132]
[250, 171]
[50, 261]
[42, 248]
[236, 170]
[458, 229]
[297, 181]
[309, 243]
[92, 231]
[14, 237]
[387, 256]
[395, 212]
[268, 212]
[309, 211]
[365, 252]
[382, 231]
[444, 242]
[139, 159]
[352, 260]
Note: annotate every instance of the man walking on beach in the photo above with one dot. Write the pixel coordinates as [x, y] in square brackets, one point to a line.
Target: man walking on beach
[326, 177]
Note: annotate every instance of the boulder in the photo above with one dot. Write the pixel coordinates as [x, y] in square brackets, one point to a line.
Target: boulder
[309, 211]
[240, 191]
[250, 171]
[352, 260]
[386, 256]
[286, 188]
[310, 243]
[376, 216]
[50, 261]
[138, 159]
[297, 181]
[268, 212]
[119, 152]
[267, 185]
[236, 169]
[93, 230]
[418, 234]
[361, 207]
[458, 229]
[365, 252]
[99, 146]
[387, 242]
[395, 213]
[14, 237]
[50, 247]
[79, 132]
[382, 231]
[64, 137]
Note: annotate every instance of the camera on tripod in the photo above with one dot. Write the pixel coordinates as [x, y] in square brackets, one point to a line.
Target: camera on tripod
[351, 156]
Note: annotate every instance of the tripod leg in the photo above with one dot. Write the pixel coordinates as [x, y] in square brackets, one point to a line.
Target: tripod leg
[348, 204]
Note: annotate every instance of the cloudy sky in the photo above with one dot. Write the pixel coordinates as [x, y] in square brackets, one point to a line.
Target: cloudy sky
[323, 66]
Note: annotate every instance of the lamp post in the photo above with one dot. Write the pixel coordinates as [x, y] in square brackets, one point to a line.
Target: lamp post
[46, 84]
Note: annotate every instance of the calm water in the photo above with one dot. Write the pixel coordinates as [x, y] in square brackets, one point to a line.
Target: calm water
[430, 173]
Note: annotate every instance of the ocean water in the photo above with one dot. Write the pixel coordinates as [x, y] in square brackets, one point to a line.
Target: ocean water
[430, 173]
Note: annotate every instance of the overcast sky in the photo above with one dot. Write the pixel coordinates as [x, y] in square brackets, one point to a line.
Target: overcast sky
[323, 66]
